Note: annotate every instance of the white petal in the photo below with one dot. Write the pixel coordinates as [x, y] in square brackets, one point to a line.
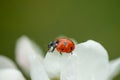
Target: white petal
[114, 68]
[11, 74]
[6, 63]
[37, 70]
[24, 49]
[53, 63]
[88, 62]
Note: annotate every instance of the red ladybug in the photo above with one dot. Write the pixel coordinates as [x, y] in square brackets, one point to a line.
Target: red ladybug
[62, 45]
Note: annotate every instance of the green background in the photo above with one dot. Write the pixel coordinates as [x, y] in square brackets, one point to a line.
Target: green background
[44, 20]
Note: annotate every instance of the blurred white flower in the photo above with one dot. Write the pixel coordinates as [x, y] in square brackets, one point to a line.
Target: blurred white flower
[89, 61]
[8, 70]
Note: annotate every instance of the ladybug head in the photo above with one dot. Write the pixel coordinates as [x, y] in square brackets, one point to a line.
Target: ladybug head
[52, 46]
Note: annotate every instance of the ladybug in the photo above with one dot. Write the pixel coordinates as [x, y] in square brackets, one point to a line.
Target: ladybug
[62, 45]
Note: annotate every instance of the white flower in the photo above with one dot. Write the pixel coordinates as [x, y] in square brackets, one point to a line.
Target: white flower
[89, 61]
[8, 70]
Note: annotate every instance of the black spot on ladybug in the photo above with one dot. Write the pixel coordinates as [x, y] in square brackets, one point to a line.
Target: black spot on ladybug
[71, 48]
[62, 49]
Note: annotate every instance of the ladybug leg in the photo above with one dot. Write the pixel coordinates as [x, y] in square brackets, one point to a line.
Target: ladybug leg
[53, 48]
[60, 53]
[71, 53]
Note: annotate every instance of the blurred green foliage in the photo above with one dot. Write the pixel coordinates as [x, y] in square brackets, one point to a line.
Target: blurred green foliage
[44, 20]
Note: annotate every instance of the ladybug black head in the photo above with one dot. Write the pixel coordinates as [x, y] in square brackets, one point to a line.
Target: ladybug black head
[52, 46]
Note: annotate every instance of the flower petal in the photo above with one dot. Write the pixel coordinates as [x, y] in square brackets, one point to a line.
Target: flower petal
[88, 62]
[11, 74]
[52, 63]
[114, 68]
[37, 70]
[6, 63]
[25, 48]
